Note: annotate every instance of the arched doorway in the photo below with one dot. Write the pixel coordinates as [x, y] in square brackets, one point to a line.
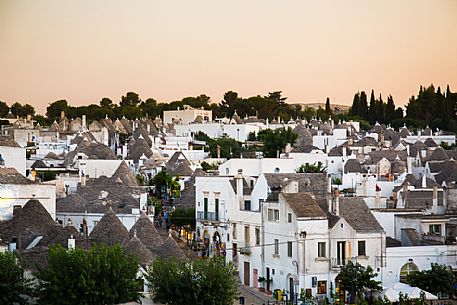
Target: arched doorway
[406, 270]
[339, 290]
[217, 244]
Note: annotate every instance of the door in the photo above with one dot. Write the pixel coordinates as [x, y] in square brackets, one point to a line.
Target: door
[291, 289]
[255, 278]
[234, 250]
[341, 253]
[247, 274]
[268, 279]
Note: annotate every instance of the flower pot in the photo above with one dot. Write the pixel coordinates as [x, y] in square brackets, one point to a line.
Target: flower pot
[261, 289]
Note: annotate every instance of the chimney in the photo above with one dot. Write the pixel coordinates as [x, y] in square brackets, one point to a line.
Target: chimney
[83, 179]
[344, 152]
[239, 185]
[378, 197]
[435, 197]
[409, 164]
[12, 246]
[62, 114]
[329, 203]
[16, 209]
[407, 150]
[83, 121]
[148, 128]
[336, 207]
[71, 242]
[29, 117]
[424, 181]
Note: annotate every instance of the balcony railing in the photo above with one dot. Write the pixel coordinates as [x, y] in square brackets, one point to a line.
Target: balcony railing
[338, 261]
[210, 216]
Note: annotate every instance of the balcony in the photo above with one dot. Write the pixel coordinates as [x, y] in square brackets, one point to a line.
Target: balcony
[207, 217]
[336, 263]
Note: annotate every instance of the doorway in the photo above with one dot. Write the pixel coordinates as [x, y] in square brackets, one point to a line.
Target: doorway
[247, 274]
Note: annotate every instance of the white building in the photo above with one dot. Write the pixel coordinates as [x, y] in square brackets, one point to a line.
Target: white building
[16, 191]
[255, 167]
[187, 115]
[13, 156]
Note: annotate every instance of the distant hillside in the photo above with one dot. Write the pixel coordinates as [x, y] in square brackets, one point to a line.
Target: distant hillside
[337, 109]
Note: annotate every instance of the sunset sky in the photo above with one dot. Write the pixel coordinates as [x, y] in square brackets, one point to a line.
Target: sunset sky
[84, 50]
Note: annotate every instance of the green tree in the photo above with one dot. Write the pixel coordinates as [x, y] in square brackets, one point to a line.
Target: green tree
[372, 110]
[435, 280]
[354, 110]
[4, 109]
[210, 281]
[106, 103]
[150, 108]
[380, 110]
[311, 168]
[163, 183]
[14, 287]
[130, 99]
[41, 119]
[183, 217]
[355, 278]
[390, 110]
[328, 109]
[274, 141]
[363, 106]
[54, 109]
[197, 102]
[102, 275]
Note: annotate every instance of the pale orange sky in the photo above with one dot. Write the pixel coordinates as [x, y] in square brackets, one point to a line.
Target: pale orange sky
[84, 50]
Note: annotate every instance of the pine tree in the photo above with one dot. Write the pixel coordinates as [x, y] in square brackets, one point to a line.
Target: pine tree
[328, 110]
[373, 109]
[355, 105]
[363, 105]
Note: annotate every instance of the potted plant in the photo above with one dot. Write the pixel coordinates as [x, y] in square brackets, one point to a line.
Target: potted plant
[262, 283]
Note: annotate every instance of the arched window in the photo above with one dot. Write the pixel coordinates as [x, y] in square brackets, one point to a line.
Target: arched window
[407, 269]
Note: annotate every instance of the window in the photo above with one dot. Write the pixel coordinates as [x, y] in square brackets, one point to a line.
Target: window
[247, 239]
[205, 208]
[289, 217]
[434, 230]
[234, 231]
[273, 215]
[406, 270]
[257, 236]
[277, 246]
[247, 205]
[289, 249]
[321, 287]
[216, 208]
[321, 249]
[361, 248]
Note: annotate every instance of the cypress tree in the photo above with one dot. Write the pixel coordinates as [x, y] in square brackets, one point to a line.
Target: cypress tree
[380, 110]
[328, 110]
[373, 109]
[363, 105]
[389, 114]
[355, 105]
